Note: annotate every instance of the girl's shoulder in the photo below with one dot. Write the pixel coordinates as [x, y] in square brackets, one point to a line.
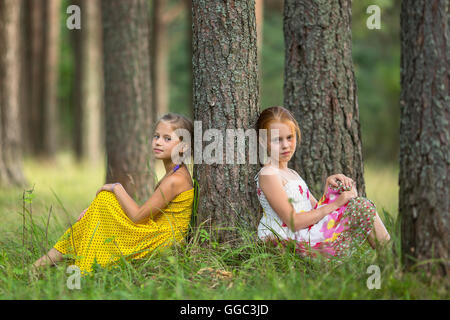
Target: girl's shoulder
[267, 170]
[180, 181]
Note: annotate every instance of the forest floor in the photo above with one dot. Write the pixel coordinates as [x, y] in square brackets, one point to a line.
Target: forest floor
[192, 271]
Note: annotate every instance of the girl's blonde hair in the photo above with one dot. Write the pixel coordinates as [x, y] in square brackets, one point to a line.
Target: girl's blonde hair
[178, 121]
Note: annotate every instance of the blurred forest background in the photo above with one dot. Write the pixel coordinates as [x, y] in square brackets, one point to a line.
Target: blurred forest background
[62, 101]
[376, 57]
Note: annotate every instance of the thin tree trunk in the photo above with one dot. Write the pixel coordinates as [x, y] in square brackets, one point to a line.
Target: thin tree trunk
[424, 134]
[190, 103]
[226, 95]
[10, 128]
[25, 75]
[160, 54]
[89, 83]
[128, 96]
[51, 65]
[320, 90]
[33, 75]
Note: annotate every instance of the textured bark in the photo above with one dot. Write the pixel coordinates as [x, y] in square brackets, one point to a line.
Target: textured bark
[320, 90]
[226, 95]
[424, 133]
[10, 133]
[88, 92]
[128, 95]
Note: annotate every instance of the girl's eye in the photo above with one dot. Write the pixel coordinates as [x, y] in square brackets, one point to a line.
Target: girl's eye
[168, 139]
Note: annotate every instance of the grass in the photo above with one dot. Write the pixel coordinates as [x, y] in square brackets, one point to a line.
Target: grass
[199, 269]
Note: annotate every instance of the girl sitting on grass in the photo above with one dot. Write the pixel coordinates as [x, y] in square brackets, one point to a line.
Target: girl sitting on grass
[333, 226]
[115, 226]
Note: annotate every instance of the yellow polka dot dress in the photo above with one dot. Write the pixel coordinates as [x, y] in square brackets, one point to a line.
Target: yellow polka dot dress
[105, 233]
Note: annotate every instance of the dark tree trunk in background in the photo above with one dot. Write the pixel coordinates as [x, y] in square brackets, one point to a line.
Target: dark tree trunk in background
[128, 98]
[226, 95]
[10, 127]
[32, 74]
[320, 90]
[25, 75]
[39, 76]
[88, 92]
[424, 133]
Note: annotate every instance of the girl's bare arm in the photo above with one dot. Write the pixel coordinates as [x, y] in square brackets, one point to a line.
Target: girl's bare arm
[272, 187]
[166, 192]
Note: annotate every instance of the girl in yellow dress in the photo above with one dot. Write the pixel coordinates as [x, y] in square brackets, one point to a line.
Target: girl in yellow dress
[114, 226]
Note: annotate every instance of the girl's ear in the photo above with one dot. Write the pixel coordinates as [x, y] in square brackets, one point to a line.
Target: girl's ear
[184, 147]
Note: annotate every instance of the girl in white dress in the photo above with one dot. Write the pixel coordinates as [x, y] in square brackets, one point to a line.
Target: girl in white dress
[332, 226]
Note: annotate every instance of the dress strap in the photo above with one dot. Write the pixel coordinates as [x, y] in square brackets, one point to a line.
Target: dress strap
[257, 175]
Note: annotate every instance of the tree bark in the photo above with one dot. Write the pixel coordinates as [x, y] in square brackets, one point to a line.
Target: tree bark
[226, 95]
[88, 96]
[424, 134]
[10, 127]
[320, 90]
[128, 96]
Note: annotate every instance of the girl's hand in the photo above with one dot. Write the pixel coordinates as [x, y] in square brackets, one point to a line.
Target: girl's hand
[332, 180]
[107, 187]
[345, 197]
[82, 214]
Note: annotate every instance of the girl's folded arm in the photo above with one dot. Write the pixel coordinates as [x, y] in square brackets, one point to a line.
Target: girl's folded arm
[165, 193]
[272, 187]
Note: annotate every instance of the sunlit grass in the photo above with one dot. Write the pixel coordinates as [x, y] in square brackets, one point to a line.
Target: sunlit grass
[382, 186]
[200, 269]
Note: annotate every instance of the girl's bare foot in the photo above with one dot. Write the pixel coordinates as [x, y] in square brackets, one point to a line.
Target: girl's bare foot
[51, 258]
[379, 234]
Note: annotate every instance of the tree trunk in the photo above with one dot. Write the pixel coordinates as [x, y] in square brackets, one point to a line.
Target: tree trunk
[88, 96]
[128, 98]
[190, 103]
[25, 75]
[424, 133]
[50, 123]
[33, 75]
[320, 90]
[226, 95]
[160, 55]
[10, 128]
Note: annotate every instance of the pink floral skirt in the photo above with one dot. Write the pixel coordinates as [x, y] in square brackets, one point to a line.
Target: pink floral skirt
[343, 230]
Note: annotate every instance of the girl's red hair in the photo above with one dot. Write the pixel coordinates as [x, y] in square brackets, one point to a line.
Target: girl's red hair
[277, 114]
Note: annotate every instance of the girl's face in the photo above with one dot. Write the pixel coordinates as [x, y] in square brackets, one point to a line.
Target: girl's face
[164, 140]
[282, 144]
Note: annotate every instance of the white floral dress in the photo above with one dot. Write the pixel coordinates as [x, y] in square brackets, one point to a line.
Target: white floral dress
[334, 235]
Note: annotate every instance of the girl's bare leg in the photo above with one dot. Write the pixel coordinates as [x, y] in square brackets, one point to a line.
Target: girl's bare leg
[379, 233]
[51, 258]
